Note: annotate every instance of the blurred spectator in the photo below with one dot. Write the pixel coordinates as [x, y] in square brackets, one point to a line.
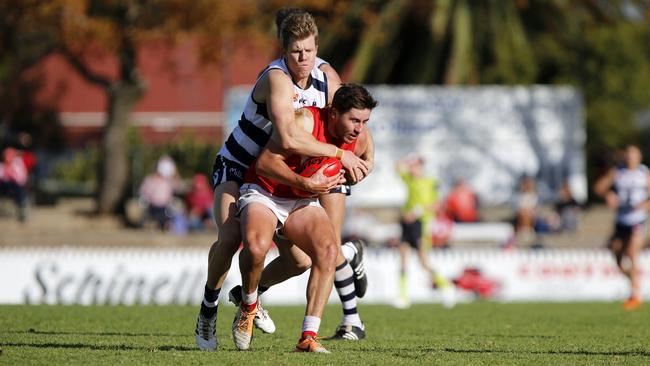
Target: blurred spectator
[525, 205]
[13, 180]
[418, 213]
[157, 192]
[441, 229]
[461, 204]
[567, 209]
[199, 204]
[24, 147]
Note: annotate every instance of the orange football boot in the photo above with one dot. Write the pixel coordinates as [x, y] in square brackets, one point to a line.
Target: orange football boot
[632, 303]
[310, 344]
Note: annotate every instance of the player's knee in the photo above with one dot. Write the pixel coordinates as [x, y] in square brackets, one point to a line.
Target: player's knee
[332, 253]
[257, 247]
[327, 253]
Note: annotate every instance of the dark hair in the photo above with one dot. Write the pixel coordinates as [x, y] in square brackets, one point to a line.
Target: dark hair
[352, 96]
[281, 15]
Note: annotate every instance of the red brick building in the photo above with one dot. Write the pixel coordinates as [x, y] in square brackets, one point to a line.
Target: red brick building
[182, 94]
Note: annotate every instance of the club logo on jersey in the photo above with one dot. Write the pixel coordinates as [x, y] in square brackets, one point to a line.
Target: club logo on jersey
[235, 172]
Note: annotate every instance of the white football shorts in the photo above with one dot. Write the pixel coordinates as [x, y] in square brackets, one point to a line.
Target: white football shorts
[280, 206]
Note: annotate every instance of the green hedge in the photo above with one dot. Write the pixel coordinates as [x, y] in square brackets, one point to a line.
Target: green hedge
[191, 155]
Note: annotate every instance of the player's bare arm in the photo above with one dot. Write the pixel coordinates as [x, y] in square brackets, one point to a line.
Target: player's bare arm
[364, 148]
[277, 91]
[603, 186]
[271, 163]
[369, 153]
[334, 83]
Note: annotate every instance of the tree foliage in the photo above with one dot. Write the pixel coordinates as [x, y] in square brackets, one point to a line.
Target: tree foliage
[84, 31]
[601, 47]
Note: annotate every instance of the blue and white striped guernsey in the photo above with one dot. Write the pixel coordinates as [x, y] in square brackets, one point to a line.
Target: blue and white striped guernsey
[632, 188]
[254, 127]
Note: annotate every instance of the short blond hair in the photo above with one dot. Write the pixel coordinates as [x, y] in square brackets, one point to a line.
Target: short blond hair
[296, 26]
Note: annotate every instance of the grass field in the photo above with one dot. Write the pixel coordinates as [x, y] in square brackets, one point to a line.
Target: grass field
[481, 333]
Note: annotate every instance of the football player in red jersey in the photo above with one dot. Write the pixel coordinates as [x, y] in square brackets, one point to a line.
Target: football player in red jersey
[268, 202]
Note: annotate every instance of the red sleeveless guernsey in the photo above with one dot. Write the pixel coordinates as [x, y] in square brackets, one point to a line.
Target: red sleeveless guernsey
[321, 133]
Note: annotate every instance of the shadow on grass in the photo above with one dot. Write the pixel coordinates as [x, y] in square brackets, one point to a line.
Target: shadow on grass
[533, 336]
[100, 334]
[554, 352]
[103, 347]
[125, 347]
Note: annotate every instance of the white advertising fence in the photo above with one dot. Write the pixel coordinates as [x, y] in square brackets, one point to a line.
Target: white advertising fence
[177, 276]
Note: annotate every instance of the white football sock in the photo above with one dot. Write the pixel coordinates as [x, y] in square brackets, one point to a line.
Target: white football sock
[349, 251]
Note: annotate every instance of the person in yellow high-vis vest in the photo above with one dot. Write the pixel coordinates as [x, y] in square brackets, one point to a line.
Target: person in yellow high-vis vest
[417, 215]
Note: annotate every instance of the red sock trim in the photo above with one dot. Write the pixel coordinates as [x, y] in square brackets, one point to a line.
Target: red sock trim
[308, 333]
[250, 307]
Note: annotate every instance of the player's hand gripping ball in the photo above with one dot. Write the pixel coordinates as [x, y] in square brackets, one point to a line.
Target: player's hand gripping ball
[310, 167]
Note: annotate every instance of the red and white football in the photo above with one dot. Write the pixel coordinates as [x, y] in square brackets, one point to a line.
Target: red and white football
[311, 166]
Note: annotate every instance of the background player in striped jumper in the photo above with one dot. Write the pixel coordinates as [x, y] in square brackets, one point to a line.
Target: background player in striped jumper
[625, 189]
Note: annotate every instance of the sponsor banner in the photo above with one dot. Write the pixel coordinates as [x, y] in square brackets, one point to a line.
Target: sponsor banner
[177, 276]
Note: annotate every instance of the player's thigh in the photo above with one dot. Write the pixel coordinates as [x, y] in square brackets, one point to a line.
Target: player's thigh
[225, 212]
[226, 195]
[258, 225]
[334, 205]
[310, 229]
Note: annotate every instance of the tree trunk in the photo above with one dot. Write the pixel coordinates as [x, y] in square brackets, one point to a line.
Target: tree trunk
[376, 41]
[460, 63]
[114, 166]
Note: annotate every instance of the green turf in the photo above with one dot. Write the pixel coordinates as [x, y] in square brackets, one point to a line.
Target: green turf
[473, 334]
